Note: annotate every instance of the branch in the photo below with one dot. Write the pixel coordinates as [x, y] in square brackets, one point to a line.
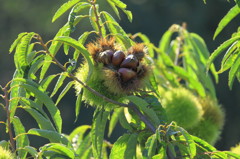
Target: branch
[130, 105]
[10, 133]
[97, 17]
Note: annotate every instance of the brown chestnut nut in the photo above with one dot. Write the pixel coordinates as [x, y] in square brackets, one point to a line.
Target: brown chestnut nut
[130, 61]
[127, 74]
[117, 58]
[105, 56]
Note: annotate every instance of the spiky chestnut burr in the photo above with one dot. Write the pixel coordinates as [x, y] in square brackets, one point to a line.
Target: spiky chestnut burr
[119, 72]
[182, 106]
[210, 126]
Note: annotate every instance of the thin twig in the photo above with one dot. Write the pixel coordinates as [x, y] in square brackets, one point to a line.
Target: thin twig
[10, 133]
[97, 17]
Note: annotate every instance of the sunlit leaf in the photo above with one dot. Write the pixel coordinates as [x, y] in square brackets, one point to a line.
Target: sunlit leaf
[22, 140]
[64, 91]
[226, 19]
[113, 121]
[65, 7]
[124, 147]
[75, 44]
[16, 42]
[42, 122]
[59, 83]
[31, 150]
[59, 149]
[53, 49]
[78, 104]
[20, 56]
[143, 106]
[80, 132]
[98, 129]
[191, 145]
[150, 146]
[52, 136]
[233, 71]
[53, 110]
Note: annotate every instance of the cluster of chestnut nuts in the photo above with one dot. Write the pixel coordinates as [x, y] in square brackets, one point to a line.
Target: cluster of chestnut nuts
[122, 70]
[128, 67]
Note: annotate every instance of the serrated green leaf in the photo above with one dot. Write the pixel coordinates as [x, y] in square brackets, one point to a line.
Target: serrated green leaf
[188, 77]
[34, 105]
[123, 121]
[129, 15]
[201, 47]
[113, 6]
[114, 119]
[64, 91]
[203, 144]
[84, 149]
[226, 19]
[82, 39]
[150, 146]
[165, 41]
[42, 122]
[75, 44]
[143, 106]
[237, 156]
[65, 7]
[21, 141]
[16, 42]
[59, 149]
[53, 110]
[119, 148]
[119, 4]
[78, 104]
[59, 83]
[20, 56]
[31, 150]
[52, 136]
[220, 49]
[131, 146]
[97, 132]
[124, 147]
[229, 62]
[35, 66]
[14, 94]
[45, 83]
[53, 49]
[127, 43]
[233, 71]
[79, 132]
[190, 143]
[229, 57]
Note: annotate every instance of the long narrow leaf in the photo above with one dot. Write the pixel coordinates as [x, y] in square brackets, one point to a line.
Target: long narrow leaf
[53, 110]
[65, 7]
[75, 44]
[43, 123]
[98, 129]
[16, 42]
[22, 140]
[59, 83]
[233, 71]
[226, 19]
[64, 91]
[52, 136]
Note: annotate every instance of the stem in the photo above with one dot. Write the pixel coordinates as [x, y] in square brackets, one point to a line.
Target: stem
[97, 17]
[131, 105]
[10, 133]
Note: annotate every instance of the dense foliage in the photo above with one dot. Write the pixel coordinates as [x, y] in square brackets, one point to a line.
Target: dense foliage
[162, 95]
